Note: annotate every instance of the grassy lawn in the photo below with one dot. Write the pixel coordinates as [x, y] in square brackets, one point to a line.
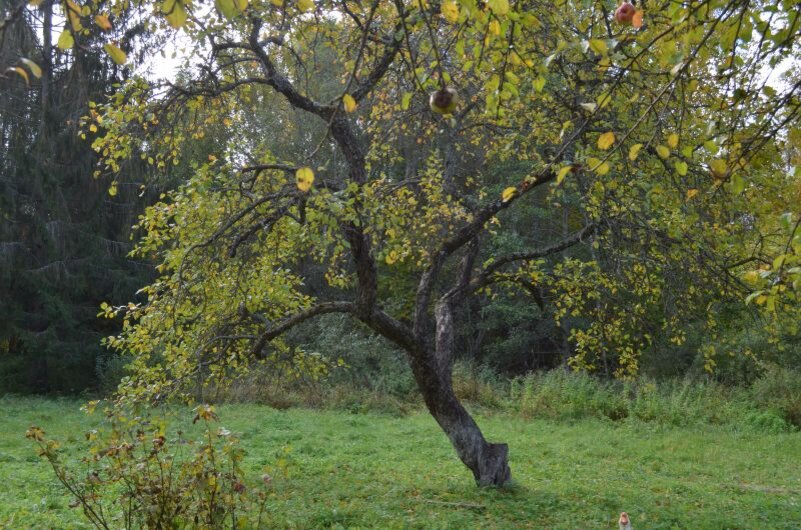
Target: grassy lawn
[373, 471]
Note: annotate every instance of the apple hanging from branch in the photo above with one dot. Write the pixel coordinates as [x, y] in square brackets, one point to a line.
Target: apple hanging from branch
[443, 101]
[624, 14]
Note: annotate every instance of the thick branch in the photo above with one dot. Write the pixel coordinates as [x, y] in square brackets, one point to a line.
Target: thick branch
[281, 83]
[294, 320]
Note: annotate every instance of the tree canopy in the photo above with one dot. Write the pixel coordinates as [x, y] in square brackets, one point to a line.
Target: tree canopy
[391, 143]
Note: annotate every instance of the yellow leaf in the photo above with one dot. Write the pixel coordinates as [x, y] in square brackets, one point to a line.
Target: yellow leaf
[392, 257]
[116, 54]
[692, 192]
[600, 168]
[349, 103]
[305, 5]
[103, 22]
[21, 71]
[450, 11]
[93, 128]
[33, 67]
[65, 40]
[112, 190]
[599, 46]
[304, 178]
[751, 276]
[35, 3]
[718, 168]
[634, 152]
[277, 3]
[606, 140]
[241, 4]
[73, 14]
[508, 193]
[673, 140]
[494, 27]
[681, 168]
[562, 174]
[663, 151]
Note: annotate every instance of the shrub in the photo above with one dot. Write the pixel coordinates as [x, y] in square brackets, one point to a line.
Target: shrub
[779, 389]
[139, 476]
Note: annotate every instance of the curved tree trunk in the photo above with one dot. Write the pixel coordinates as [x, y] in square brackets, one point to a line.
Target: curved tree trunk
[487, 461]
[433, 371]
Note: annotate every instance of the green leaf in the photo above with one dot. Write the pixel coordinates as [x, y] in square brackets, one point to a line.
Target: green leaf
[663, 151]
[738, 183]
[499, 7]
[718, 168]
[65, 40]
[681, 167]
[750, 298]
[116, 54]
[599, 46]
[226, 7]
[175, 12]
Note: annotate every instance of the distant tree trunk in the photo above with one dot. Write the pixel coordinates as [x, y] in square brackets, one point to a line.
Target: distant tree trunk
[47, 65]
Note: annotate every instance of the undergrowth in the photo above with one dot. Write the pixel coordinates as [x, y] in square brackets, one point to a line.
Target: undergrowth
[771, 404]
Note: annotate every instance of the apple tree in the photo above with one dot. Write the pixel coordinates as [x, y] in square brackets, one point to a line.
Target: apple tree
[658, 127]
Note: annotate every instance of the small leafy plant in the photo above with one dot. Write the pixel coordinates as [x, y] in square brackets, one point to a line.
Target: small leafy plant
[137, 475]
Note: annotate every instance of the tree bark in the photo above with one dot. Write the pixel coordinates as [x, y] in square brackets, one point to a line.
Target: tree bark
[487, 461]
[433, 373]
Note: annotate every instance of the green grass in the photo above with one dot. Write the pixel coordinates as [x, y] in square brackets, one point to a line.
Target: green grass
[374, 471]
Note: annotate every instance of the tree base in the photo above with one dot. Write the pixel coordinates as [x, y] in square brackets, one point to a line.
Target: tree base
[493, 466]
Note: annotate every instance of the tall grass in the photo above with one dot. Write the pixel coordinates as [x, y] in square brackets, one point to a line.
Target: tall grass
[772, 404]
